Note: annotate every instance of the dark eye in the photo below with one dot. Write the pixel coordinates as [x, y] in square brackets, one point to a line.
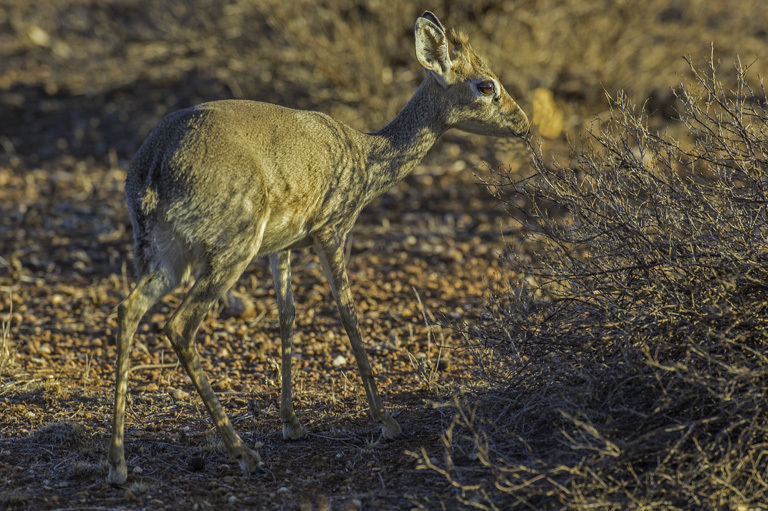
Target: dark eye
[486, 87]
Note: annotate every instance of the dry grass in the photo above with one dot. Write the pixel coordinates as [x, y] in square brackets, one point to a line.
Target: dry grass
[110, 70]
[631, 371]
[7, 349]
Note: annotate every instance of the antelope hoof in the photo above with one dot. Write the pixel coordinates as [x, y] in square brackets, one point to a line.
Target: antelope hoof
[118, 472]
[249, 460]
[293, 430]
[390, 428]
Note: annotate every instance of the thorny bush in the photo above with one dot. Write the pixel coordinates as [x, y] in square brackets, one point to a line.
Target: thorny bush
[630, 372]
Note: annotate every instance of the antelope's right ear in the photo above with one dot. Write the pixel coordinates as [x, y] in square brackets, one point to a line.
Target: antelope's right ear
[432, 48]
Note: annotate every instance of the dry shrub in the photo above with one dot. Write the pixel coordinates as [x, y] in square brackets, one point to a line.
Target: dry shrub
[630, 371]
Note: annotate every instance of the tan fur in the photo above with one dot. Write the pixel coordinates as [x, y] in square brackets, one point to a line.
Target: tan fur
[215, 185]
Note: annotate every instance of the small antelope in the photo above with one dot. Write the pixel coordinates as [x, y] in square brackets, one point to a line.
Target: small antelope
[216, 185]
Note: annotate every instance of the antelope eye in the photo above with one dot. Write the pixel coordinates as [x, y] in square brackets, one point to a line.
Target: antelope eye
[486, 87]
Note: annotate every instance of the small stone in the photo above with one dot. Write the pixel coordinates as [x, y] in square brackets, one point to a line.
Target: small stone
[238, 305]
[339, 361]
[179, 394]
[323, 503]
[38, 36]
[150, 387]
[352, 505]
[196, 463]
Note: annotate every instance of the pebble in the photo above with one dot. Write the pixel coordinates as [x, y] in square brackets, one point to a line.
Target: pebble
[351, 505]
[178, 394]
[196, 464]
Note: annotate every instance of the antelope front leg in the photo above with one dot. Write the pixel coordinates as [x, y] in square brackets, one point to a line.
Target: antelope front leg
[281, 271]
[331, 253]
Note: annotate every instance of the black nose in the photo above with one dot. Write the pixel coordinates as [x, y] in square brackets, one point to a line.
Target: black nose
[523, 130]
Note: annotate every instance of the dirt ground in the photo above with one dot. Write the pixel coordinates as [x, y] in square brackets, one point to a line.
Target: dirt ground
[413, 259]
[80, 86]
[428, 251]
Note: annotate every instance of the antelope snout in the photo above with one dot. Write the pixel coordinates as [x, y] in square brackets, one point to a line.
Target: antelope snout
[520, 126]
[517, 122]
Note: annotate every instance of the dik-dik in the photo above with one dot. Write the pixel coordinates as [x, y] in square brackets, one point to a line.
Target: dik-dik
[216, 185]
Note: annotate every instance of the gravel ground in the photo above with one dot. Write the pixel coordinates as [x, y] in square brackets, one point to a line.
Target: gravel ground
[81, 84]
[427, 252]
[79, 88]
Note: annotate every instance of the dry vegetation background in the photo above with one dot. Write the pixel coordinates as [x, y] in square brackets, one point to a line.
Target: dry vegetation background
[590, 339]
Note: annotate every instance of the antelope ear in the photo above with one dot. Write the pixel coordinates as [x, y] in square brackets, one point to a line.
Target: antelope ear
[431, 17]
[432, 47]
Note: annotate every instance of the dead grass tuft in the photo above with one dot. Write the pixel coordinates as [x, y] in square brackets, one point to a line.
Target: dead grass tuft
[631, 371]
[61, 433]
[7, 350]
[12, 499]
